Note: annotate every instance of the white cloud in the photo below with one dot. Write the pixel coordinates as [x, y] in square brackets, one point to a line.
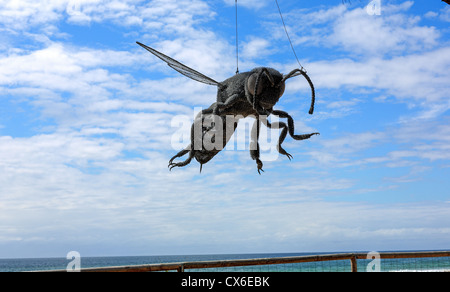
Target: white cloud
[354, 142]
[415, 146]
[428, 140]
[250, 4]
[443, 14]
[393, 55]
[358, 32]
[205, 53]
[256, 48]
[354, 31]
[40, 68]
[346, 150]
[418, 79]
[178, 17]
[19, 15]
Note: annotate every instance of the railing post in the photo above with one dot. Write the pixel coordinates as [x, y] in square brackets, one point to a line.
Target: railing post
[354, 266]
[180, 268]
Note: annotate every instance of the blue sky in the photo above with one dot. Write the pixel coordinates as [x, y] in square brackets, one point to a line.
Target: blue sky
[88, 121]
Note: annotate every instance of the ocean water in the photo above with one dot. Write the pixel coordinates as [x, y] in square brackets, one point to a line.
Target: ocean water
[385, 265]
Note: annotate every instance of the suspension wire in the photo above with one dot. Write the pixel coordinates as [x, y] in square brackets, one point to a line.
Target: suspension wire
[287, 34]
[237, 40]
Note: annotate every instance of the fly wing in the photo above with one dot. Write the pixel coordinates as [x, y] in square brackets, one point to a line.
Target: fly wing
[183, 69]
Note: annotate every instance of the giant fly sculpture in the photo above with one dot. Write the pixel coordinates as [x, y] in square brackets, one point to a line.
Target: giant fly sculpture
[249, 94]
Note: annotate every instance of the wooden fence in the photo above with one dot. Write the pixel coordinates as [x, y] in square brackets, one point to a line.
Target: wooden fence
[185, 266]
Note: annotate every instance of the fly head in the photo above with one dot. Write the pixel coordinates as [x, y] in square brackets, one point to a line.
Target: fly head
[264, 86]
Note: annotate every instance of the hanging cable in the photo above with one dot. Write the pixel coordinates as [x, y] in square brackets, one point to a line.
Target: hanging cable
[237, 40]
[287, 34]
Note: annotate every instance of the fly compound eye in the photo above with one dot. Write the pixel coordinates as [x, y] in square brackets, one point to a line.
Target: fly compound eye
[282, 88]
[251, 85]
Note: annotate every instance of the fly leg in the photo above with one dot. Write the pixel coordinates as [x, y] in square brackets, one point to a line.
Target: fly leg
[284, 127]
[283, 114]
[190, 149]
[254, 145]
[219, 107]
[182, 153]
[179, 154]
[184, 163]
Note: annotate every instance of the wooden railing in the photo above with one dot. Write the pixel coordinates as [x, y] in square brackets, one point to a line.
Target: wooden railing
[183, 266]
